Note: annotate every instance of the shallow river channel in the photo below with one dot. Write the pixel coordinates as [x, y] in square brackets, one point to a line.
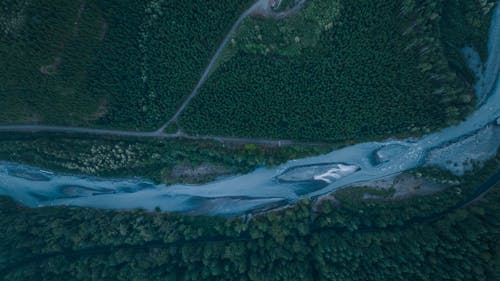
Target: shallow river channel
[478, 138]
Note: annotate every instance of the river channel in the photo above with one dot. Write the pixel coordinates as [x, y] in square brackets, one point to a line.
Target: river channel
[477, 138]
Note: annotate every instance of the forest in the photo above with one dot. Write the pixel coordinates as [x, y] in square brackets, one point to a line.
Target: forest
[122, 64]
[156, 159]
[450, 235]
[474, 32]
[389, 68]
[340, 70]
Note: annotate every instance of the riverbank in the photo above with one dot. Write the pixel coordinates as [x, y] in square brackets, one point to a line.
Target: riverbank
[103, 237]
[156, 159]
[260, 186]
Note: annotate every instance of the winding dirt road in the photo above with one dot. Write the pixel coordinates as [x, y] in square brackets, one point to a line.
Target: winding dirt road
[261, 7]
[256, 6]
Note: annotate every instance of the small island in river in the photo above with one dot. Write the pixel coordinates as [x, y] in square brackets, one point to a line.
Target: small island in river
[326, 172]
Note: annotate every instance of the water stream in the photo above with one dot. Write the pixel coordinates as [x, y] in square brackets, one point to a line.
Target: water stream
[477, 137]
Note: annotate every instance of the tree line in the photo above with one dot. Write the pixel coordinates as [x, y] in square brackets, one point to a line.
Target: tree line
[106, 63]
[328, 240]
[154, 159]
[382, 69]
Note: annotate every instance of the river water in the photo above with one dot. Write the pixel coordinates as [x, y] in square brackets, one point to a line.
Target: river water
[477, 137]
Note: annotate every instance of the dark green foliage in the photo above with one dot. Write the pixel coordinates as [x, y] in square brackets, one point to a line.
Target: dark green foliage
[172, 128]
[434, 237]
[434, 174]
[107, 63]
[286, 4]
[149, 74]
[372, 69]
[45, 56]
[357, 212]
[446, 241]
[472, 18]
[154, 158]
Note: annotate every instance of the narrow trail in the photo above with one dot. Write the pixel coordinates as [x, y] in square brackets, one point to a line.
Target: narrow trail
[293, 10]
[260, 7]
[257, 5]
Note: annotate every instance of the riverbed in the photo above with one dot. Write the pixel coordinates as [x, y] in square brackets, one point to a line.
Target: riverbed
[476, 138]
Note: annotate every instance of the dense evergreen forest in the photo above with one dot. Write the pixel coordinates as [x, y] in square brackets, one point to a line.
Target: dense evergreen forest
[450, 235]
[465, 16]
[344, 69]
[336, 71]
[167, 161]
[110, 63]
[388, 67]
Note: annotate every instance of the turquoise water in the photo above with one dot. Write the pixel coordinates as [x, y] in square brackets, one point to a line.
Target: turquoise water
[476, 137]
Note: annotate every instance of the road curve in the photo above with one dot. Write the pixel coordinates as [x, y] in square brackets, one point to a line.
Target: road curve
[260, 6]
